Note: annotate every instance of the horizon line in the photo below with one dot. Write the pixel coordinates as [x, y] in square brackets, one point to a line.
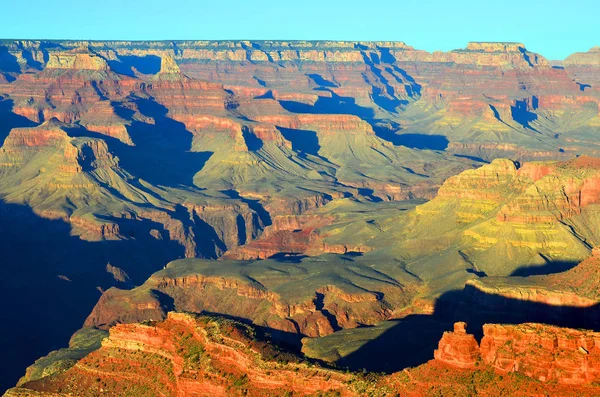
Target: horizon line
[286, 40]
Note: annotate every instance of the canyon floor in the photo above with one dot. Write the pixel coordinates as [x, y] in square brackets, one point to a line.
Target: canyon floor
[268, 217]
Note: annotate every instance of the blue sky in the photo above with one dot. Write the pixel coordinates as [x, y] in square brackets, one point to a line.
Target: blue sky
[551, 27]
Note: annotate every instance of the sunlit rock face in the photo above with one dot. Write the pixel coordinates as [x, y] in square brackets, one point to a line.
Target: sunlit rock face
[542, 352]
[199, 356]
[458, 348]
[120, 157]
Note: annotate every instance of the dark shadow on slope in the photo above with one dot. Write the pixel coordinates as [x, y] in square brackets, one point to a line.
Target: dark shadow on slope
[419, 141]
[550, 267]
[28, 56]
[334, 105]
[321, 81]
[50, 280]
[385, 98]
[10, 120]
[8, 62]
[472, 158]
[241, 228]
[387, 101]
[526, 56]
[148, 64]
[521, 114]
[583, 86]
[384, 129]
[254, 205]
[161, 154]
[266, 95]
[307, 141]
[411, 341]
[478, 273]
[288, 257]
[260, 82]
[412, 87]
[303, 141]
[320, 306]
[369, 193]
[290, 341]
[209, 243]
[496, 113]
[252, 141]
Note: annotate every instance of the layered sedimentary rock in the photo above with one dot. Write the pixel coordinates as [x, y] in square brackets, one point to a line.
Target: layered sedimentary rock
[504, 219]
[570, 296]
[47, 161]
[134, 154]
[295, 296]
[538, 351]
[185, 355]
[489, 99]
[78, 59]
[591, 57]
[201, 356]
[458, 348]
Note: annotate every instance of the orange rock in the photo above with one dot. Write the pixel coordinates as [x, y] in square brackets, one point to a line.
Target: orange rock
[538, 351]
[458, 348]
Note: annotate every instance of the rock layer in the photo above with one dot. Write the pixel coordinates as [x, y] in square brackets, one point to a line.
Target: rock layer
[187, 355]
[538, 351]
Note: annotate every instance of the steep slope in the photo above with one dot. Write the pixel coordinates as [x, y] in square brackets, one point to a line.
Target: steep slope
[119, 157]
[487, 100]
[308, 296]
[538, 351]
[501, 219]
[574, 288]
[64, 175]
[201, 356]
[541, 214]
[185, 355]
[133, 164]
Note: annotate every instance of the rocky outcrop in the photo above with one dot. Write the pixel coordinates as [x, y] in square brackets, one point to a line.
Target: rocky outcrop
[344, 296]
[49, 133]
[542, 352]
[589, 58]
[168, 66]
[323, 124]
[534, 211]
[458, 348]
[188, 355]
[77, 60]
[571, 294]
[166, 150]
[209, 356]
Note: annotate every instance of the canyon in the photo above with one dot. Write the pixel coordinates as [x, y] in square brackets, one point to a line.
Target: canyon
[188, 355]
[330, 193]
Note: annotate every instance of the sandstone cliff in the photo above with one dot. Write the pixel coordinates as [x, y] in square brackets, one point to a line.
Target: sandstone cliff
[538, 351]
[201, 356]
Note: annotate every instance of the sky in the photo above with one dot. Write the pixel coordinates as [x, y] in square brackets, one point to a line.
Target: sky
[552, 28]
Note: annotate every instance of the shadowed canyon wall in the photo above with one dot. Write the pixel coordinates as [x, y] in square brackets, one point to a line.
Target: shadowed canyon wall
[119, 157]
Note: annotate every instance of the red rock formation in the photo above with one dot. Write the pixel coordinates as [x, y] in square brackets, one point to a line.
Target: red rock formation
[234, 100]
[48, 134]
[323, 124]
[458, 348]
[188, 356]
[538, 351]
